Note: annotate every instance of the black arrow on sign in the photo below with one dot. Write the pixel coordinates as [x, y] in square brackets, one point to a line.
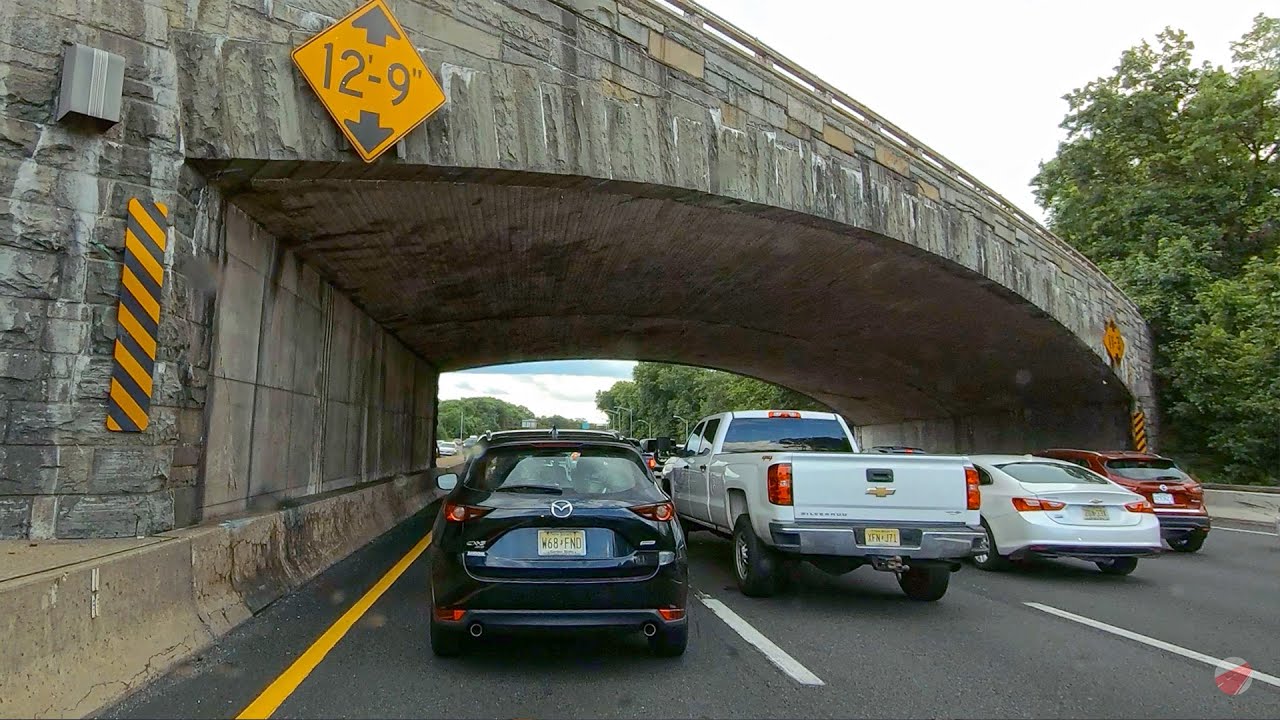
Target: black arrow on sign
[377, 27]
[368, 130]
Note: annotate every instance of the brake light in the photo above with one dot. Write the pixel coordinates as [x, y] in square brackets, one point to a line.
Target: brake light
[652, 463]
[1195, 490]
[973, 496]
[454, 512]
[790, 414]
[671, 613]
[1140, 506]
[1036, 504]
[780, 484]
[449, 614]
[662, 512]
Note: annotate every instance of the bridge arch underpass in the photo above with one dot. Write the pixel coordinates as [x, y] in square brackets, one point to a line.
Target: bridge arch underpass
[469, 270]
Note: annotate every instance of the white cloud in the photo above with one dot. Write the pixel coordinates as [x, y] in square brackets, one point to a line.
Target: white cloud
[572, 396]
[980, 82]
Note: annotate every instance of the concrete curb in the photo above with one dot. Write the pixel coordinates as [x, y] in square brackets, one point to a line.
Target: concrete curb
[80, 637]
[1243, 505]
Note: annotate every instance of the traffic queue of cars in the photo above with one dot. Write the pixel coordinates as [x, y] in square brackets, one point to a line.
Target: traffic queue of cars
[581, 529]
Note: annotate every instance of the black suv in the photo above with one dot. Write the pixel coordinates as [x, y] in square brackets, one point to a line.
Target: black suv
[557, 529]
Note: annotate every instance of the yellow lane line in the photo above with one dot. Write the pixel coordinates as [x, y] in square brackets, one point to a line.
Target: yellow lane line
[280, 690]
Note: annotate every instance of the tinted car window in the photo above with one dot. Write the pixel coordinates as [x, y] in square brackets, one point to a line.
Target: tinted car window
[709, 435]
[1032, 473]
[1141, 469]
[752, 435]
[691, 445]
[606, 472]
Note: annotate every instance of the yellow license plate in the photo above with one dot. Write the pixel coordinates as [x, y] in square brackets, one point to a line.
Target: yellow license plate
[1096, 513]
[882, 536]
[572, 543]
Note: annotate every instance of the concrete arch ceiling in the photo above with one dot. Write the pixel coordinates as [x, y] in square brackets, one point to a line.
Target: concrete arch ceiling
[473, 272]
[609, 180]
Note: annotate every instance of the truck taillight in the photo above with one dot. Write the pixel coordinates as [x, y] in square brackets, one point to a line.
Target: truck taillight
[454, 512]
[780, 484]
[973, 495]
[1036, 504]
[790, 414]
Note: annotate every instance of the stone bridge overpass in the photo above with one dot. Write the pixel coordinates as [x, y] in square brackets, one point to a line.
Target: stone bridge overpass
[609, 178]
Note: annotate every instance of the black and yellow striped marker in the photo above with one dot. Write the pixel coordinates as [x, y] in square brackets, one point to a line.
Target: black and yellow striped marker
[141, 278]
[1139, 425]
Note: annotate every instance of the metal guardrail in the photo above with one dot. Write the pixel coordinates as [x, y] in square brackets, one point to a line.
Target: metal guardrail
[729, 35]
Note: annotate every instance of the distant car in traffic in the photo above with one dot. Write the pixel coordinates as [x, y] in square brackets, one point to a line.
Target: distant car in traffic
[1178, 498]
[1041, 507]
[446, 448]
[557, 530]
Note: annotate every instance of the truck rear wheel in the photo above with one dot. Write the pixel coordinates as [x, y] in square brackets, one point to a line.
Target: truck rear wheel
[755, 565]
[926, 584]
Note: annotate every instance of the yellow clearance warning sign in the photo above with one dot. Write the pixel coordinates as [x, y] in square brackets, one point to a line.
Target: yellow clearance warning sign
[1113, 341]
[141, 278]
[370, 78]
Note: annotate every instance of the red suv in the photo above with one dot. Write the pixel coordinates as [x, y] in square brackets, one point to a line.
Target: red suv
[1177, 497]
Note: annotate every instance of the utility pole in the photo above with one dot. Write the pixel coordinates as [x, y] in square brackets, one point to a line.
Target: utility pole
[684, 435]
[630, 425]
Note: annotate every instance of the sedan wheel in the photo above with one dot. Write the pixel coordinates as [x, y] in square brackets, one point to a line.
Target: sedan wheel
[1188, 544]
[1118, 566]
[991, 559]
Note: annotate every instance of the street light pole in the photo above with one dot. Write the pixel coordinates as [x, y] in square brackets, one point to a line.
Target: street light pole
[461, 414]
[685, 434]
[630, 424]
[610, 414]
[647, 426]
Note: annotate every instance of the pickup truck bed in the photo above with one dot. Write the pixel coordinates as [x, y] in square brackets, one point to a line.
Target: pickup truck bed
[763, 477]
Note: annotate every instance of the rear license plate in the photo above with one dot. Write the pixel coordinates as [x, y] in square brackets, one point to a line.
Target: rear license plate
[562, 542]
[882, 536]
[1096, 513]
[1162, 498]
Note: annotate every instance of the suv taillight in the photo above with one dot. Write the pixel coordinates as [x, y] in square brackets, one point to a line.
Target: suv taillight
[973, 496]
[454, 512]
[780, 484]
[661, 512]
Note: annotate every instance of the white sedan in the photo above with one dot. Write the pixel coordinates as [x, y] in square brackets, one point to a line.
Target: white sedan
[1038, 507]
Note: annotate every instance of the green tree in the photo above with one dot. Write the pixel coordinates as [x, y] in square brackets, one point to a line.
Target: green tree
[1168, 180]
[478, 415]
[659, 392]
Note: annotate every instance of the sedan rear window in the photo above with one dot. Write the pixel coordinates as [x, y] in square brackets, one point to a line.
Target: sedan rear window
[581, 471]
[1146, 469]
[1031, 473]
[757, 435]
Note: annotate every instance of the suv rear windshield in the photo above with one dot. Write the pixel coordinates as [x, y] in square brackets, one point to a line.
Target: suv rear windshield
[579, 471]
[1145, 469]
[1031, 473]
[757, 435]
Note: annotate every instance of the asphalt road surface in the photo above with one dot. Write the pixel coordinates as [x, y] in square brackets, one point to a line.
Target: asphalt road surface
[1057, 639]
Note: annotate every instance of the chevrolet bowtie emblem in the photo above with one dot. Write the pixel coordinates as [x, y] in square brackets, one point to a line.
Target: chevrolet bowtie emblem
[880, 491]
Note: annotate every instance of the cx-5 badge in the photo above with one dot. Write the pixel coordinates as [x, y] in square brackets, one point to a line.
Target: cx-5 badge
[562, 508]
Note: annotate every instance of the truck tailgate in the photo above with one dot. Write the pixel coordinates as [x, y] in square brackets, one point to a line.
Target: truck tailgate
[925, 488]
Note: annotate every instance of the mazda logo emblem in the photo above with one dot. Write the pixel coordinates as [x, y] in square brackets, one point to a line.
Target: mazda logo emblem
[562, 508]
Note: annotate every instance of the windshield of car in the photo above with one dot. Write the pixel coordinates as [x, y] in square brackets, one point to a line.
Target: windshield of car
[1033, 473]
[754, 435]
[609, 472]
[1146, 469]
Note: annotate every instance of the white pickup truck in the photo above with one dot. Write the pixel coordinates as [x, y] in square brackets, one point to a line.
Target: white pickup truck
[791, 486]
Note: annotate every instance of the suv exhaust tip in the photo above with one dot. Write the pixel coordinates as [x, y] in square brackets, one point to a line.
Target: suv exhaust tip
[476, 630]
[650, 629]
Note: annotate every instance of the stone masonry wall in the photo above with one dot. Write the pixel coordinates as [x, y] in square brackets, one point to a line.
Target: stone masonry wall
[308, 394]
[63, 192]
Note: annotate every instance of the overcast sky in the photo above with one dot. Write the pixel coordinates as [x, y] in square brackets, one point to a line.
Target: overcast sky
[979, 82]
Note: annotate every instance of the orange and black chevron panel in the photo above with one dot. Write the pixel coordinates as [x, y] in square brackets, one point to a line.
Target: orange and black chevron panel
[141, 279]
